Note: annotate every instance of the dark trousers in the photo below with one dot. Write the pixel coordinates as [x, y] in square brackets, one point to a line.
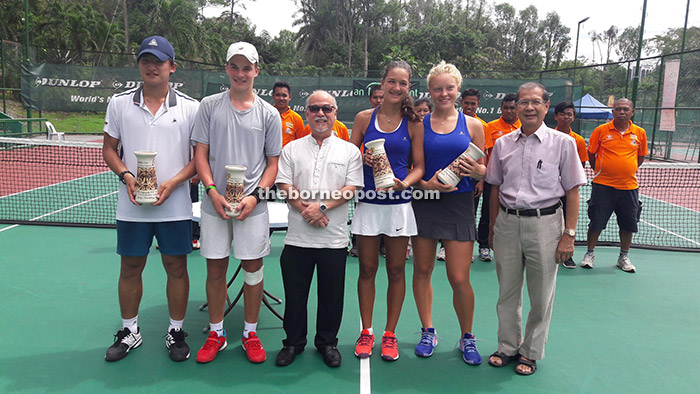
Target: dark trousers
[482, 231]
[297, 271]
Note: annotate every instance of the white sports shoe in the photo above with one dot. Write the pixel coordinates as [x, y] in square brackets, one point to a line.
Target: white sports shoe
[624, 263]
[587, 261]
[441, 254]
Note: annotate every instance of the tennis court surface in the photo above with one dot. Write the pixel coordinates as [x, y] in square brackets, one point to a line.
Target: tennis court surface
[611, 332]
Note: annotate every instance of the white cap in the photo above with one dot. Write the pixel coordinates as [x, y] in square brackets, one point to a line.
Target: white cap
[242, 48]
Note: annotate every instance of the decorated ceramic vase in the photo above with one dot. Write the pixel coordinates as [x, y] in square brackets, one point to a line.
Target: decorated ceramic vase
[146, 181]
[234, 188]
[450, 175]
[383, 174]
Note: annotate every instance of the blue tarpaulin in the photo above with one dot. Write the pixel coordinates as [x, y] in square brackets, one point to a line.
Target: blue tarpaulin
[589, 108]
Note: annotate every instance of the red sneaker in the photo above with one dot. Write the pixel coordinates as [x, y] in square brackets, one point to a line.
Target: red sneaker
[364, 345]
[253, 348]
[213, 345]
[390, 349]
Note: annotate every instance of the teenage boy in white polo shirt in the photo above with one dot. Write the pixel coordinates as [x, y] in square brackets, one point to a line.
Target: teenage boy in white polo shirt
[236, 127]
[152, 117]
[311, 170]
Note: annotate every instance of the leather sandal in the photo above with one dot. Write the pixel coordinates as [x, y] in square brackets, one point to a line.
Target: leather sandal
[505, 359]
[530, 363]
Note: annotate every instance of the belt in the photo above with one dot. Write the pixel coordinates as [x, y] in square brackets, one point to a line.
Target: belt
[533, 212]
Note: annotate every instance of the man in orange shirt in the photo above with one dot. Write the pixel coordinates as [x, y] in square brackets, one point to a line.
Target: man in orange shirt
[616, 150]
[376, 95]
[292, 124]
[564, 114]
[470, 103]
[494, 130]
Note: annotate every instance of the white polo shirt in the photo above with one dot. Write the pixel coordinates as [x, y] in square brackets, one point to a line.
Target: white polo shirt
[310, 169]
[168, 132]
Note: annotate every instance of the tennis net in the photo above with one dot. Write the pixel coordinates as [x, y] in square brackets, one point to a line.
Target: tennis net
[68, 183]
[56, 183]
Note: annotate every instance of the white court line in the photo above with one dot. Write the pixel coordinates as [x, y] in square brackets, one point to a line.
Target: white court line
[63, 209]
[665, 230]
[53, 184]
[365, 376]
[7, 228]
[669, 203]
[671, 232]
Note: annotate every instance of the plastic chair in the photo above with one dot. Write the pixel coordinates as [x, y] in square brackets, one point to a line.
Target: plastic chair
[51, 131]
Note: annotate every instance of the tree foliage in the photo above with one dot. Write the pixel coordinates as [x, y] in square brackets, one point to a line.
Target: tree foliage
[345, 37]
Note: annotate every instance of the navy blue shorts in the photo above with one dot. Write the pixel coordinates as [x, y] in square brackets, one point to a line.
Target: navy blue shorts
[134, 239]
[605, 200]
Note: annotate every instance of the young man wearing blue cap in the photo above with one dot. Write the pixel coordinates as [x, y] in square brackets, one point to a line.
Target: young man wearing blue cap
[152, 117]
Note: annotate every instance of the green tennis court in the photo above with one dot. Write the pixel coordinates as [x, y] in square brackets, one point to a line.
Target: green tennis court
[611, 332]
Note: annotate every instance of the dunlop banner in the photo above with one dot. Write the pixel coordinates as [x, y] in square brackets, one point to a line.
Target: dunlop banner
[59, 87]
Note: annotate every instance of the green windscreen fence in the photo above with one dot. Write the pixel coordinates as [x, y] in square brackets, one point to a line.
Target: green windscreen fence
[9, 126]
[60, 87]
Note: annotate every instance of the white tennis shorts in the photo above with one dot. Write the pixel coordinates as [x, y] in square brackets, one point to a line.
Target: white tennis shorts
[250, 237]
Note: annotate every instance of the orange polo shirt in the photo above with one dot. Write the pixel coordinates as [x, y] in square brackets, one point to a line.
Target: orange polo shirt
[616, 161]
[339, 129]
[482, 122]
[292, 126]
[580, 146]
[497, 129]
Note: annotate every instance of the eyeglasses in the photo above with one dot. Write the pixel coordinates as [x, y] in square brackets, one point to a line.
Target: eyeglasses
[327, 109]
[526, 103]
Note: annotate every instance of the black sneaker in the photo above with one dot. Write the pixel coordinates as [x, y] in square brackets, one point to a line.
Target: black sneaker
[124, 341]
[569, 263]
[177, 347]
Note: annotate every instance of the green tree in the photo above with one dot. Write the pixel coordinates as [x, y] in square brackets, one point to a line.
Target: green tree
[67, 31]
[555, 40]
[627, 43]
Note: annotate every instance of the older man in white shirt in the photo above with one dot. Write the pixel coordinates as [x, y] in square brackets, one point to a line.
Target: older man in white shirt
[530, 169]
[318, 174]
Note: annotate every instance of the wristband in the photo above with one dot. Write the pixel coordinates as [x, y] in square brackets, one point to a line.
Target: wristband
[256, 194]
[121, 176]
[210, 186]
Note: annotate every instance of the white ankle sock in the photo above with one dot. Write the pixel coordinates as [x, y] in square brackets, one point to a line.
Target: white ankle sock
[248, 328]
[131, 324]
[176, 324]
[217, 327]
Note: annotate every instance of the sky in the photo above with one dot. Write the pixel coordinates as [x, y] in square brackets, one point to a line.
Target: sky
[661, 15]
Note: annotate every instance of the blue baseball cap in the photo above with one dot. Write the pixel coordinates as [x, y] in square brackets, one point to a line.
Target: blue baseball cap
[158, 46]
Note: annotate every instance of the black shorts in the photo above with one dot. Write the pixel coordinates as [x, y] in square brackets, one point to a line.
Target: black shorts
[605, 200]
[449, 218]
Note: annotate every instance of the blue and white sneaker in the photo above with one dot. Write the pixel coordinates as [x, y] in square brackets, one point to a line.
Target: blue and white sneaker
[428, 342]
[484, 254]
[470, 353]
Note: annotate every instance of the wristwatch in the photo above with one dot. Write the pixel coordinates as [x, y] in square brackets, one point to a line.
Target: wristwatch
[570, 232]
[121, 176]
[323, 206]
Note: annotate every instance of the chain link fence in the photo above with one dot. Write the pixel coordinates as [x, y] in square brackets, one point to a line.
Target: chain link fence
[673, 136]
[605, 82]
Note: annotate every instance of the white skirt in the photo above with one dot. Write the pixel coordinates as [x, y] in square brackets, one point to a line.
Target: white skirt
[393, 220]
